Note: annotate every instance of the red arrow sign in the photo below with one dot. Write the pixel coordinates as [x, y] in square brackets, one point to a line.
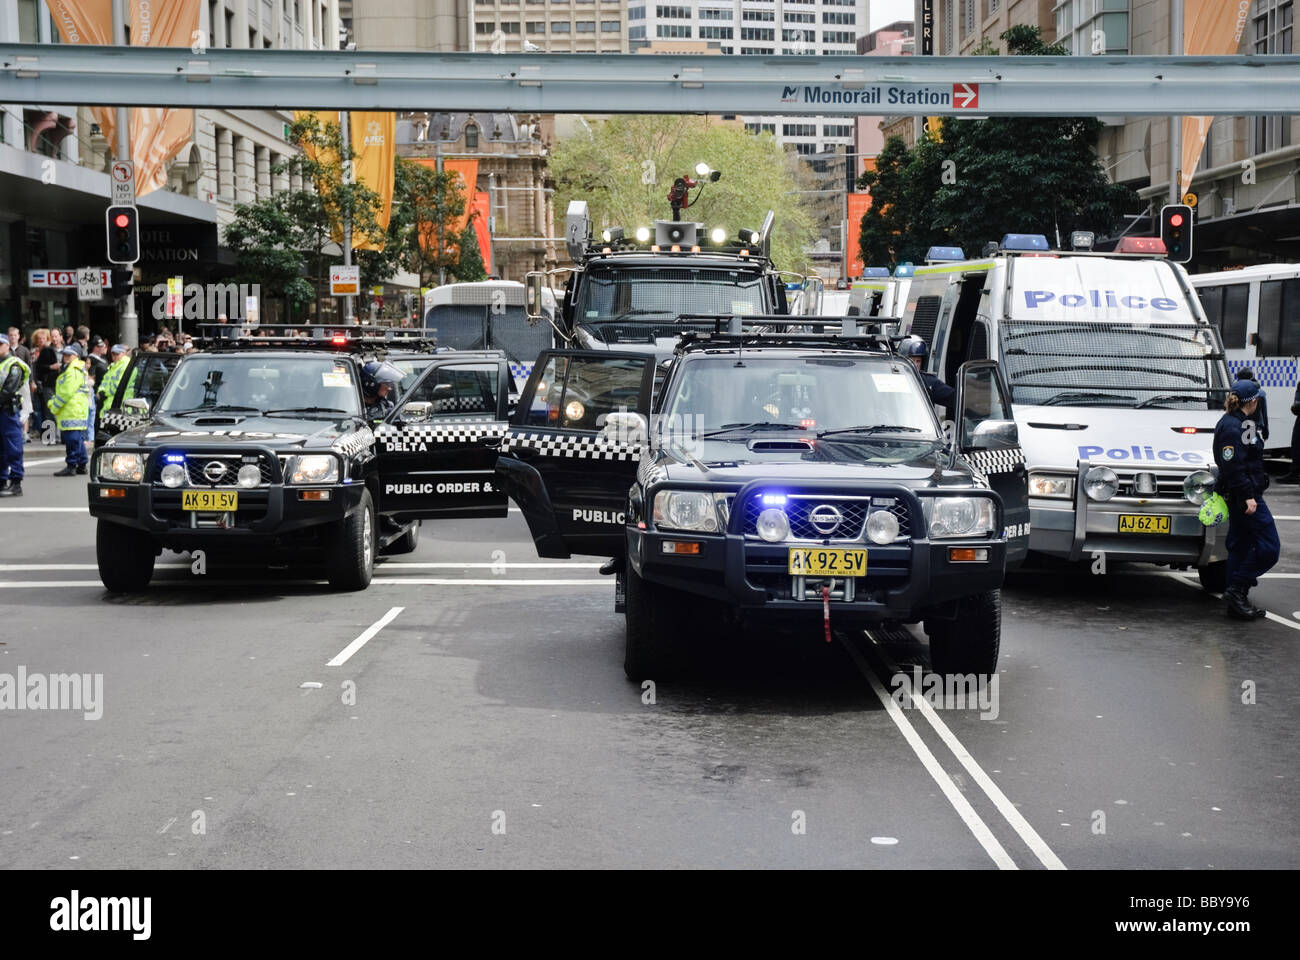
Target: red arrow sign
[966, 95]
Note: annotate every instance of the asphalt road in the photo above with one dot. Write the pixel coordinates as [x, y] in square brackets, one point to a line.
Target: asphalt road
[487, 722]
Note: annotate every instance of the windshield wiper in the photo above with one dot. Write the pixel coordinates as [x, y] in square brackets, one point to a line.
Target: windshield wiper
[876, 428]
[1152, 401]
[271, 413]
[213, 409]
[732, 427]
[1083, 395]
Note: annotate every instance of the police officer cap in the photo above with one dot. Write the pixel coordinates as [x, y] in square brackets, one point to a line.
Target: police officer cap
[72, 348]
[912, 347]
[1246, 390]
[4, 339]
[118, 348]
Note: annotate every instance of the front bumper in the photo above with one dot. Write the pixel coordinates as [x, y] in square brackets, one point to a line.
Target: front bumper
[906, 581]
[1078, 529]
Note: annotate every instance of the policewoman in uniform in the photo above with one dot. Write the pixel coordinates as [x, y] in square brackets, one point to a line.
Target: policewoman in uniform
[71, 405]
[1253, 544]
[14, 375]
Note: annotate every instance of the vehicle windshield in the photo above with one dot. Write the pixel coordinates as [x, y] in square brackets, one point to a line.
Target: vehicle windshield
[258, 384]
[742, 396]
[411, 368]
[1175, 366]
[638, 304]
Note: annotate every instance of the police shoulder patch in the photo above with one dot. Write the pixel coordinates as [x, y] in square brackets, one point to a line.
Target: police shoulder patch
[1229, 452]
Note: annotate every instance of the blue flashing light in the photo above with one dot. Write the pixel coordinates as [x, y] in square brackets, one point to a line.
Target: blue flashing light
[1025, 241]
[904, 270]
[174, 458]
[944, 254]
[774, 499]
[871, 272]
[794, 286]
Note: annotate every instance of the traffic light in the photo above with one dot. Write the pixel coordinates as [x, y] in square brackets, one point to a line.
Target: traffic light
[123, 234]
[123, 281]
[1176, 231]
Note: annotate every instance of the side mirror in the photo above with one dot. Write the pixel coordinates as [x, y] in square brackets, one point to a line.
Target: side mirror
[534, 285]
[417, 411]
[995, 435]
[624, 428]
[136, 404]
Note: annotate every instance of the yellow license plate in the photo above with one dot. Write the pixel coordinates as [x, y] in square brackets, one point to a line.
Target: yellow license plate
[825, 562]
[1143, 523]
[210, 501]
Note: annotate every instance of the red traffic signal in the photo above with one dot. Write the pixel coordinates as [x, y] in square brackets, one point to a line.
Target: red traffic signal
[1176, 231]
[123, 240]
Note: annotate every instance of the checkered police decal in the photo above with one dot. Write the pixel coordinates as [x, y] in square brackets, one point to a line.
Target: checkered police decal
[521, 371]
[454, 405]
[120, 421]
[450, 431]
[1270, 371]
[995, 461]
[355, 443]
[569, 445]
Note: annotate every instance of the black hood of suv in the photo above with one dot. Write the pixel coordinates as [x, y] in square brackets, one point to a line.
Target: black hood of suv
[226, 429]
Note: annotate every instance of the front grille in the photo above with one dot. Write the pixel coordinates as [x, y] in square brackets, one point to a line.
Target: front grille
[197, 469]
[1167, 486]
[804, 510]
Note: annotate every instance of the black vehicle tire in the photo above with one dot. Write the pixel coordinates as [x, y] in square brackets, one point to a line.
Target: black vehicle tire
[125, 557]
[1214, 576]
[651, 651]
[350, 560]
[406, 543]
[970, 643]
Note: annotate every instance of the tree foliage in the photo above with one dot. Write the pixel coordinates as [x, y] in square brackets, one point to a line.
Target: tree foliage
[981, 179]
[469, 265]
[624, 166]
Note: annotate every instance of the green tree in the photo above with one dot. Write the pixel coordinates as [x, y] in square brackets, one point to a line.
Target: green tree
[469, 265]
[286, 243]
[624, 166]
[981, 179]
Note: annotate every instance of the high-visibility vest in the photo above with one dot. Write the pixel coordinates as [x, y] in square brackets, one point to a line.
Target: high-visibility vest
[6, 365]
[71, 401]
[112, 377]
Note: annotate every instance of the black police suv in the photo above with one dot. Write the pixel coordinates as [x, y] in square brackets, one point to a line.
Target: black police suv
[775, 475]
[261, 451]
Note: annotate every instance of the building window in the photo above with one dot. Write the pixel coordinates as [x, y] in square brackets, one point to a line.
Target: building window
[994, 6]
[471, 136]
[756, 51]
[560, 27]
[636, 13]
[510, 26]
[805, 36]
[636, 33]
[673, 13]
[837, 16]
[586, 26]
[947, 26]
[710, 14]
[761, 128]
[757, 33]
[968, 21]
[715, 33]
[610, 26]
[799, 17]
[536, 26]
[837, 130]
[837, 36]
[799, 129]
[805, 148]
[758, 16]
[1271, 33]
[484, 27]
[673, 30]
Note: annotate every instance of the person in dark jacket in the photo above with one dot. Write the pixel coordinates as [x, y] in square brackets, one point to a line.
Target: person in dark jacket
[1253, 544]
[1293, 475]
[1261, 412]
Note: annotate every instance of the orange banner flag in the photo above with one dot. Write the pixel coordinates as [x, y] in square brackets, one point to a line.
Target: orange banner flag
[159, 133]
[88, 22]
[374, 136]
[1210, 28]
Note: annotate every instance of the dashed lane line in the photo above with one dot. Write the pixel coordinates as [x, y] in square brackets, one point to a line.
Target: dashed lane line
[1013, 817]
[367, 635]
[973, 821]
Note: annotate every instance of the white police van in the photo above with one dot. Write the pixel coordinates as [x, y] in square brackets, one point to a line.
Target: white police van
[1116, 381]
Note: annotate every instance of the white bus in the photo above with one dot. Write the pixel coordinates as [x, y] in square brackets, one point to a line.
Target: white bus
[1257, 311]
[490, 315]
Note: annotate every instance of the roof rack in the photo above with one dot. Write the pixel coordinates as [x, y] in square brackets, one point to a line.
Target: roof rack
[349, 339]
[757, 330]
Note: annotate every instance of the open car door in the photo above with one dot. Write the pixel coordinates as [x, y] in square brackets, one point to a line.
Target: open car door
[435, 458]
[568, 473]
[994, 450]
[144, 378]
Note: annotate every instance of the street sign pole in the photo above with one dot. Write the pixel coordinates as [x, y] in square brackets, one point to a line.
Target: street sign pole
[127, 322]
[346, 143]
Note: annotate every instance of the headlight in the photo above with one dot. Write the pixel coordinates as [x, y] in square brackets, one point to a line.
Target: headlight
[718, 235]
[773, 525]
[1044, 485]
[1198, 486]
[958, 516]
[685, 510]
[882, 527]
[173, 475]
[122, 467]
[250, 475]
[642, 234]
[1100, 483]
[317, 469]
[574, 410]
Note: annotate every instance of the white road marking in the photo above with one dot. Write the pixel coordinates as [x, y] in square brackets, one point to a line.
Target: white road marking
[1269, 614]
[386, 566]
[380, 581]
[1005, 807]
[365, 637]
[84, 510]
[37, 463]
[499, 582]
[973, 821]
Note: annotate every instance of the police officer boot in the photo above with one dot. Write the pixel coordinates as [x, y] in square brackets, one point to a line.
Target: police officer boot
[1257, 612]
[81, 469]
[1238, 607]
[67, 471]
[14, 488]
